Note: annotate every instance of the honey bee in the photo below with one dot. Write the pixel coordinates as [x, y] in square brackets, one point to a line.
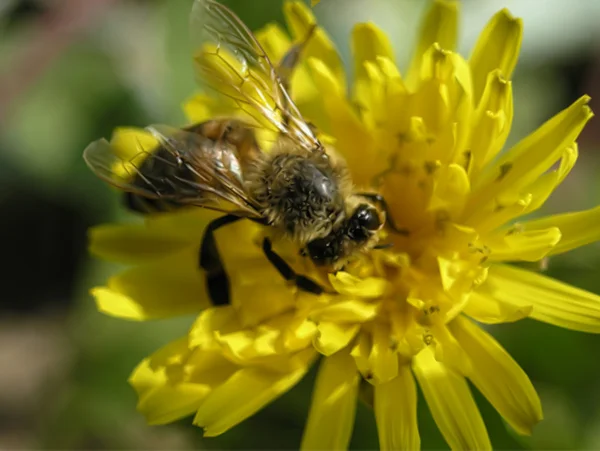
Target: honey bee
[297, 187]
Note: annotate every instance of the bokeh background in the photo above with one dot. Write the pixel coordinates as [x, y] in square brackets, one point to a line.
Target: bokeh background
[72, 70]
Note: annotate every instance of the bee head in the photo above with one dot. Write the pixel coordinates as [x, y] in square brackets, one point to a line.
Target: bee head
[358, 229]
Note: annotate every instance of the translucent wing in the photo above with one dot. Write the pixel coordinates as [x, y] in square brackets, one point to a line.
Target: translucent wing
[229, 59]
[185, 168]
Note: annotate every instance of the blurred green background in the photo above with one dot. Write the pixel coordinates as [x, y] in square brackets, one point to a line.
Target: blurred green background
[72, 70]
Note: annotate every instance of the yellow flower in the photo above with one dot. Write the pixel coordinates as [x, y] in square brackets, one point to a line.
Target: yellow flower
[430, 142]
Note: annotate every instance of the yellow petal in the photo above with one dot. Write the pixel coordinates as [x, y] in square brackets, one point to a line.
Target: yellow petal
[368, 42]
[246, 346]
[299, 19]
[492, 120]
[164, 398]
[577, 228]
[200, 108]
[149, 375]
[383, 358]
[370, 97]
[553, 302]
[439, 26]
[274, 40]
[449, 352]
[528, 160]
[353, 140]
[299, 334]
[498, 47]
[499, 377]
[530, 245]
[331, 417]
[396, 412]
[258, 290]
[133, 244]
[432, 100]
[161, 289]
[487, 310]
[375, 354]
[346, 312]
[450, 188]
[451, 404]
[331, 337]
[126, 142]
[243, 394]
[367, 288]
[537, 152]
[544, 186]
[222, 319]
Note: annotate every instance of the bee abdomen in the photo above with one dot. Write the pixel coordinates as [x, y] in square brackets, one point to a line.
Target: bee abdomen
[156, 176]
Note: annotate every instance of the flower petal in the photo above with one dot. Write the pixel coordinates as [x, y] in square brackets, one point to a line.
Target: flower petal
[396, 412]
[353, 140]
[164, 392]
[128, 243]
[450, 188]
[375, 355]
[492, 120]
[544, 186]
[383, 358]
[169, 403]
[449, 352]
[553, 302]
[366, 288]
[439, 26]
[577, 229]
[350, 311]
[525, 162]
[451, 404]
[369, 42]
[168, 287]
[530, 245]
[199, 108]
[300, 19]
[487, 310]
[243, 394]
[499, 377]
[498, 47]
[126, 142]
[331, 337]
[331, 417]
[258, 290]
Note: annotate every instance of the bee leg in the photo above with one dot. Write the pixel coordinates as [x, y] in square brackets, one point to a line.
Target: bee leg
[302, 282]
[380, 200]
[217, 282]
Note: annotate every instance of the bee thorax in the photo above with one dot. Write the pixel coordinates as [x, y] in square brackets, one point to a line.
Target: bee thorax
[298, 195]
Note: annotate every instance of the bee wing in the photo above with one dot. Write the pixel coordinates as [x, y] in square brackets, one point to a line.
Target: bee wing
[229, 59]
[185, 168]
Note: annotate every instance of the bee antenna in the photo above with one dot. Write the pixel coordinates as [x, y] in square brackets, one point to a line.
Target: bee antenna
[384, 246]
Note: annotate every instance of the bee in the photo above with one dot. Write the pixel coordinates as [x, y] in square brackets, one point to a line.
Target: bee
[298, 187]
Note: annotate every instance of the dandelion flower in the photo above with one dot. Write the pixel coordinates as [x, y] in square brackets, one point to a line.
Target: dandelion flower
[430, 141]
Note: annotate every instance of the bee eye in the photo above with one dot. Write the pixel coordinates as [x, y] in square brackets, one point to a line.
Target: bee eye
[367, 217]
